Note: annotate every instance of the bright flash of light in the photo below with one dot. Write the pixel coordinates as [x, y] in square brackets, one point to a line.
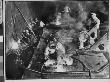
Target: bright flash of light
[14, 45]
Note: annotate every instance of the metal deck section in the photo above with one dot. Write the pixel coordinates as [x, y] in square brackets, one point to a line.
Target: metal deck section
[102, 40]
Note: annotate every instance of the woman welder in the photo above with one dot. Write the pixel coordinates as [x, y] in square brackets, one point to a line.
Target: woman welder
[50, 54]
[50, 51]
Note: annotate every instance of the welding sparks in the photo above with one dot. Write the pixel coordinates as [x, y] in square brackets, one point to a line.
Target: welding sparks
[14, 44]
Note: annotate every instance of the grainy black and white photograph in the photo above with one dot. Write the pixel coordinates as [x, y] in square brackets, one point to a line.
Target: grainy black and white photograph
[57, 39]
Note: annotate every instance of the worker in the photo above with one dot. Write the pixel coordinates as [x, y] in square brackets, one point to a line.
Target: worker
[97, 24]
[54, 50]
[50, 54]
[82, 38]
[50, 50]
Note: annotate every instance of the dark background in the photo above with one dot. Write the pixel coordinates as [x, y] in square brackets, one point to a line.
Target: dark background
[1, 29]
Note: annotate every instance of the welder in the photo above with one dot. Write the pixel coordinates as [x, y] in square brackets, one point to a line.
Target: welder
[97, 24]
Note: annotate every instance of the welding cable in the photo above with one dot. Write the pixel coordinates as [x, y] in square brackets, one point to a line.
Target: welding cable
[23, 17]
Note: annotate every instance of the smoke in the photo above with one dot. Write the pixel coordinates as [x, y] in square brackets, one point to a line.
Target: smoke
[77, 17]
